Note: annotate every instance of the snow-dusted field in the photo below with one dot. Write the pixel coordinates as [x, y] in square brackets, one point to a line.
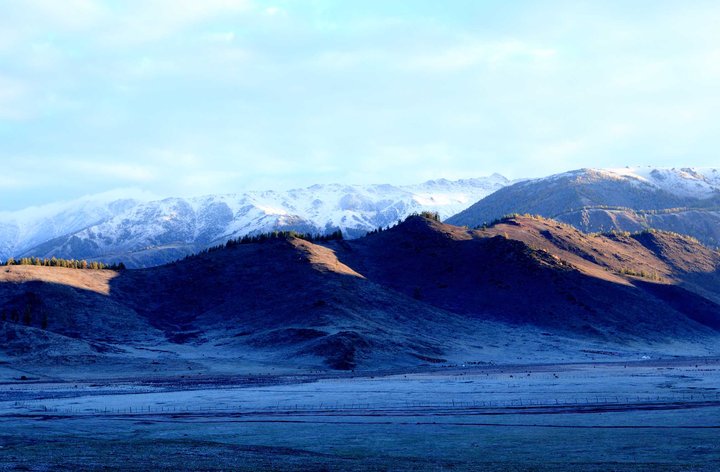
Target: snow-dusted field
[649, 415]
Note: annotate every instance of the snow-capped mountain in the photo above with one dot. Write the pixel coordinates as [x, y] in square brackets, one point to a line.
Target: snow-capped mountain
[683, 200]
[27, 228]
[688, 182]
[142, 231]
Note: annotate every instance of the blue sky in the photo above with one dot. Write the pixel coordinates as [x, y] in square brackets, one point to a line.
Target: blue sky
[185, 97]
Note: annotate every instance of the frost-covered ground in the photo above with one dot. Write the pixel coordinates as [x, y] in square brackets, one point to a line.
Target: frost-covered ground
[636, 415]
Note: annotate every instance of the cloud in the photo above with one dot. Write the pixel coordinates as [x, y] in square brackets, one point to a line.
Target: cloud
[19, 181]
[208, 181]
[272, 11]
[153, 20]
[344, 59]
[491, 54]
[226, 37]
[222, 95]
[65, 16]
[132, 173]
[13, 99]
[131, 22]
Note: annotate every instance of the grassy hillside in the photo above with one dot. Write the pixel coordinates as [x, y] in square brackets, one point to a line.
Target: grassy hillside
[420, 292]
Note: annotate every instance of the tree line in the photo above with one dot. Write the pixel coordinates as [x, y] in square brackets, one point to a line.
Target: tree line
[67, 263]
[431, 215]
[258, 238]
[270, 236]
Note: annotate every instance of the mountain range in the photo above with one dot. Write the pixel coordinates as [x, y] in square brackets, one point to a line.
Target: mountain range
[421, 292]
[681, 200]
[141, 231]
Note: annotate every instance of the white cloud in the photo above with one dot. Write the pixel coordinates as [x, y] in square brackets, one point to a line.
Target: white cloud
[126, 23]
[165, 157]
[67, 15]
[17, 181]
[272, 11]
[209, 181]
[226, 37]
[560, 151]
[120, 172]
[343, 59]
[471, 54]
[169, 93]
[14, 99]
[155, 20]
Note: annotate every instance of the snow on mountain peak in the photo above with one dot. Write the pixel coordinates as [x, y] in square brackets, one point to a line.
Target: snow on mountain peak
[129, 223]
[684, 182]
[119, 221]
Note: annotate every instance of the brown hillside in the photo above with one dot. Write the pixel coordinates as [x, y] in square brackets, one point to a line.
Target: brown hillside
[283, 298]
[527, 270]
[92, 280]
[409, 295]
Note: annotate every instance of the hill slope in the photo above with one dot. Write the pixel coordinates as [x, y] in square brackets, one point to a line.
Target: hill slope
[526, 270]
[685, 201]
[421, 292]
[272, 301]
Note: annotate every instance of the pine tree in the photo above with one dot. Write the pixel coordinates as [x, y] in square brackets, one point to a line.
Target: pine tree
[432, 215]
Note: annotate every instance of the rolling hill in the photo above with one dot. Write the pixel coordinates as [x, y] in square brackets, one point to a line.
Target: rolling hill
[420, 292]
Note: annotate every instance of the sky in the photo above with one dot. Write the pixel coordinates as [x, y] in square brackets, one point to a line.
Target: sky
[186, 97]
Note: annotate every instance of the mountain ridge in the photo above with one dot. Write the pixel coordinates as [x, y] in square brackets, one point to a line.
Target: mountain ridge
[420, 292]
[682, 200]
[151, 232]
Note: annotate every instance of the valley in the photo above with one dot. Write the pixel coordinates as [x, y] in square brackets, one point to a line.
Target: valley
[422, 292]
[522, 345]
[596, 415]
[384, 236]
